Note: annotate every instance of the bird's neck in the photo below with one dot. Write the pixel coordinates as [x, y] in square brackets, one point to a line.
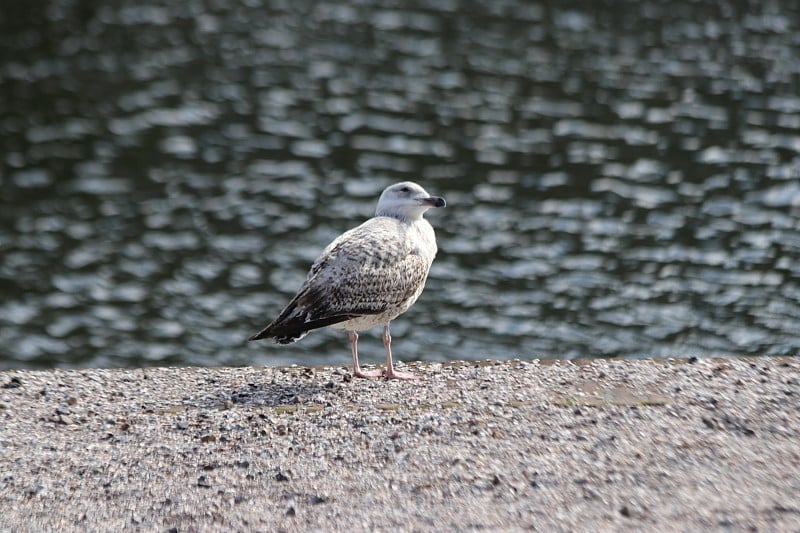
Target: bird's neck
[406, 218]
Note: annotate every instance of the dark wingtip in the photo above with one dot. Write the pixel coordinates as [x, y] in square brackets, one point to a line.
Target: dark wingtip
[280, 335]
[293, 330]
[263, 334]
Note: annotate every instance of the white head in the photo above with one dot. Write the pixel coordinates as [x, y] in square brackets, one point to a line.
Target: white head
[406, 200]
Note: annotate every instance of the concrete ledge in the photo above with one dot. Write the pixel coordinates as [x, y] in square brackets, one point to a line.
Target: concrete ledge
[606, 444]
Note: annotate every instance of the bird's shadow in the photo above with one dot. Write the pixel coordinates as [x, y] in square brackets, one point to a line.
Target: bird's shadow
[276, 394]
[295, 387]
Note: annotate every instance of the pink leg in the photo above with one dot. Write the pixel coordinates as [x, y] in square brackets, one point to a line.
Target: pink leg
[357, 372]
[391, 373]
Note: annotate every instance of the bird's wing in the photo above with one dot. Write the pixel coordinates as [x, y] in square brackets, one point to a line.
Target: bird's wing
[365, 271]
[368, 270]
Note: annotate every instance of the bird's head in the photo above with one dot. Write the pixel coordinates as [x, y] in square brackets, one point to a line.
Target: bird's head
[406, 200]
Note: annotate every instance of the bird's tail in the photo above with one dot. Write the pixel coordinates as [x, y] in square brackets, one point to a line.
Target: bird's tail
[278, 337]
[295, 328]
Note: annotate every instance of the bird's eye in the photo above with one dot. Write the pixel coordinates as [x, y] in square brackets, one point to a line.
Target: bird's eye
[405, 189]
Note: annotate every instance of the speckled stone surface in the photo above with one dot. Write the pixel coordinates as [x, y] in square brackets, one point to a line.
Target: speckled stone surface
[608, 444]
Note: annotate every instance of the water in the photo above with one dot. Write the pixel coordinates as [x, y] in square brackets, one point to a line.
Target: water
[622, 178]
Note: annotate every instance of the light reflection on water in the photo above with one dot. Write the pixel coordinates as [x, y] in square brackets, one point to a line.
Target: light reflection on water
[619, 183]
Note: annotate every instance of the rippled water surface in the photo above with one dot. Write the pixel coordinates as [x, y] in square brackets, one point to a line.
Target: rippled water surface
[622, 178]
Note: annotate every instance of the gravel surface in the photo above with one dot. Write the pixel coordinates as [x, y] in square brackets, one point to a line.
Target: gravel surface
[607, 444]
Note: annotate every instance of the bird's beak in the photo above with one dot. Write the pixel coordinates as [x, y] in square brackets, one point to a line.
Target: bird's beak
[433, 201]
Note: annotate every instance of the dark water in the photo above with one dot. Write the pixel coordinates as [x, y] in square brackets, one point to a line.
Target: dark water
[622, 178]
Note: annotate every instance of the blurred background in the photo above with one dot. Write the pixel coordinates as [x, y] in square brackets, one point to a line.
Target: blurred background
[622, 178]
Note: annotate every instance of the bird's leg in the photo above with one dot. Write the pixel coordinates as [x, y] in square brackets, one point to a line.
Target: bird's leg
[357, 372]
[391, 373]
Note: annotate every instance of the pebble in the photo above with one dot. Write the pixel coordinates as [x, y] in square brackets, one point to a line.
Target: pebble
[491, 445]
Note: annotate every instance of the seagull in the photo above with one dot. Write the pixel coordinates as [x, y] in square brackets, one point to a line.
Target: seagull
[367, 276]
